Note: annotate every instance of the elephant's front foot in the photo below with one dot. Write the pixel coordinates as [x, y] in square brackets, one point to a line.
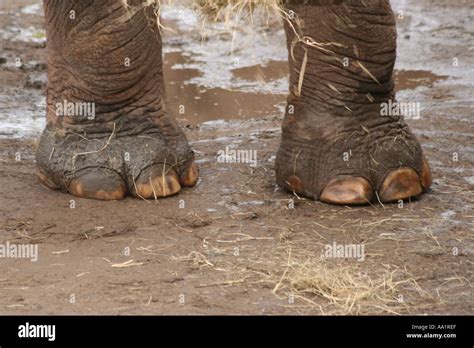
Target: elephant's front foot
[108, 134]
[351, 160]
[150, 164]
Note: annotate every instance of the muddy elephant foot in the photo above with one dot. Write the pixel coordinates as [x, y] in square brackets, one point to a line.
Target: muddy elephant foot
[352, 163]
[147, 165]
[342, 141]
[108, 132]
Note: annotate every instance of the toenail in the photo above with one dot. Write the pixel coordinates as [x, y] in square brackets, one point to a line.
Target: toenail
[347, 190]
[399, 184]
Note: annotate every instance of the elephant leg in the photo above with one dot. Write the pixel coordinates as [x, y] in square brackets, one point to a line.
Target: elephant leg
[108, 134]
[336, 146]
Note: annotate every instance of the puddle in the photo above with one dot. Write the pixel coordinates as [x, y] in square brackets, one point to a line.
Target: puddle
[221, 76]
[412, 79]
[194, 103]
[274, 70]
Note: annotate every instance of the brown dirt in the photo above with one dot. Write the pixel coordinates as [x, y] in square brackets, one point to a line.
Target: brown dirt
[233, 245]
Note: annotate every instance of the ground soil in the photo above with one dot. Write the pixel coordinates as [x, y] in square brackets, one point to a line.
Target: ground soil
[236, 244]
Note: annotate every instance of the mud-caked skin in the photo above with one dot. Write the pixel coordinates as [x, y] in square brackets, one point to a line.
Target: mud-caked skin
[336, 146]
[109, 55]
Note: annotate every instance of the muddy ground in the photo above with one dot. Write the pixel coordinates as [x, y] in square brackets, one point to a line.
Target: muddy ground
[236, 244]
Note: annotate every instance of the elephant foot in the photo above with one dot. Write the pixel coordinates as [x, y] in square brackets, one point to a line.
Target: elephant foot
[351, 161]
[148, 165]
[108, 133]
